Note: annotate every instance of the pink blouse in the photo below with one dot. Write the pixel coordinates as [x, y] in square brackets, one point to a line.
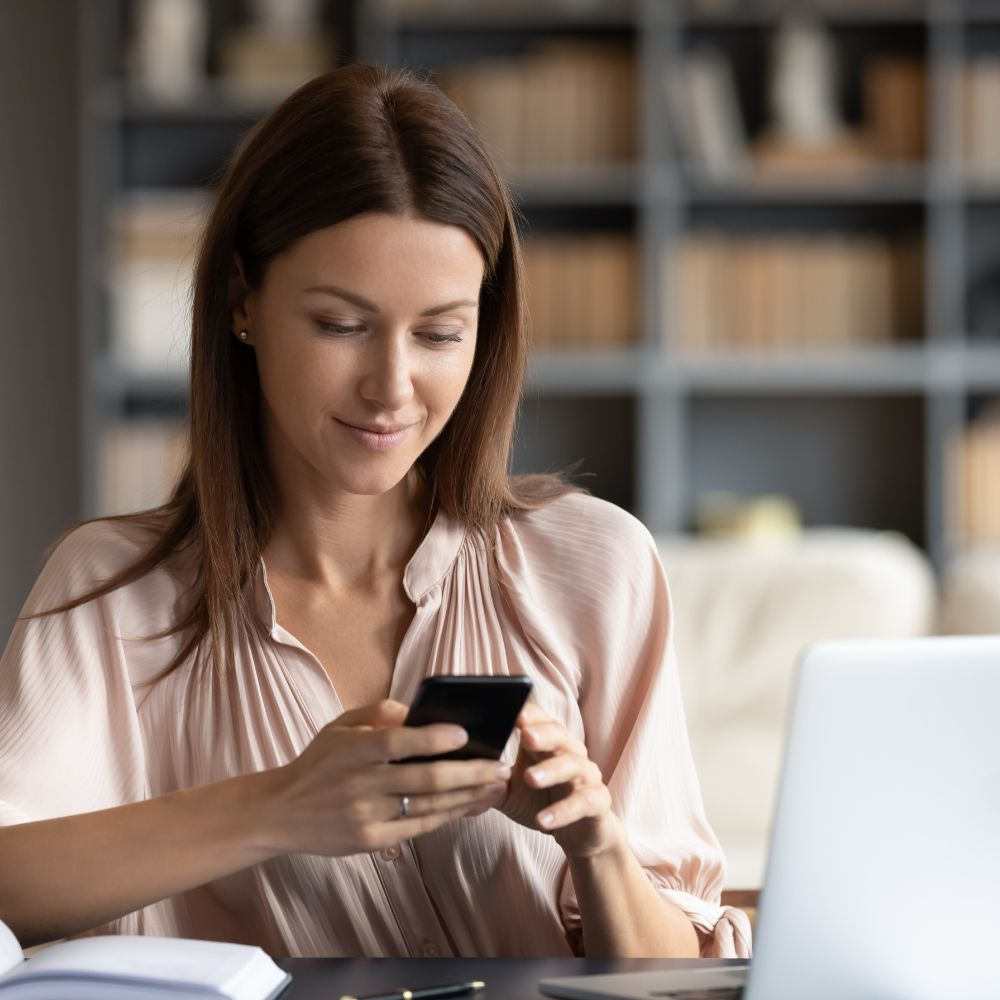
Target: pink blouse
[582, 607]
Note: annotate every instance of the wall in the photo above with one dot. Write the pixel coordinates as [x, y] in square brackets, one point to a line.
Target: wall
[39, 315]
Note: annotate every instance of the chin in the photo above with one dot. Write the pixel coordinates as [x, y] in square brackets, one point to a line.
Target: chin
[370, 486]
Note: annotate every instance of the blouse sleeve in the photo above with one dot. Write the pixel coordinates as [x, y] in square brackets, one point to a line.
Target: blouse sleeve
[615, 594]
[69, 734]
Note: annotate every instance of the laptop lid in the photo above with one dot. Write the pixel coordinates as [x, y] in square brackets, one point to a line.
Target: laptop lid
[883, 876]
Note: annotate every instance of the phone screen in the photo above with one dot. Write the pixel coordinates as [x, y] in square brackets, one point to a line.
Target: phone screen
[485, 707]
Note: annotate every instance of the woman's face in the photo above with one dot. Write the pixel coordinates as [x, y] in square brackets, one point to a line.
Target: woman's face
[365, 334]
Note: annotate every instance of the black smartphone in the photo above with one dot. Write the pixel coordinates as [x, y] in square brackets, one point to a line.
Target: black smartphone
[485, 707]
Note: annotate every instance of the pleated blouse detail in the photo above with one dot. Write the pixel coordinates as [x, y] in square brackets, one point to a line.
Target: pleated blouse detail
[580, 604]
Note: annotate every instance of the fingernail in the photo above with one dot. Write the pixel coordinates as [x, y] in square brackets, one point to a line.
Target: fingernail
[457, 737]
[496, 789]
[503, 772]
[537, 774]
[546, 819]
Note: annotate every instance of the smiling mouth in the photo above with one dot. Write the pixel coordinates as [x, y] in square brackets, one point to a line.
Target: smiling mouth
[379, 438]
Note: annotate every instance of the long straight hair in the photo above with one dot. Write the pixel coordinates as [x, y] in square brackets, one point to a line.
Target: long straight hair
[356, 140]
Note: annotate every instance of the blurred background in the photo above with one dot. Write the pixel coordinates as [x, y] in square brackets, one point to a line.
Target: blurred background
[762, 242]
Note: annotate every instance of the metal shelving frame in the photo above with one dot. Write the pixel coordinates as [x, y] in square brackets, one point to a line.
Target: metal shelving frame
[942, 373]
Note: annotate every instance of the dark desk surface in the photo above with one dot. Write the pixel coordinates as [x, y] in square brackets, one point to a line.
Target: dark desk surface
[505, 978]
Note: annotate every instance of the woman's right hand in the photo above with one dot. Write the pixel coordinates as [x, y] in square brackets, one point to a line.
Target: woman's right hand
[342, 795]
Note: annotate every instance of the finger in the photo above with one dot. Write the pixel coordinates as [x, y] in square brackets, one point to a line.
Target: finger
[563, 769]
[584, 802]
[442, 776]
[531, 714]
[400, 742]
[377, 716]
[415, 826]
[486, 796]
[550, 737]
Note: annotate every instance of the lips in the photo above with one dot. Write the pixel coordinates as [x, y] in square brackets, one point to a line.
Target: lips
[377, 428]
[379, 437]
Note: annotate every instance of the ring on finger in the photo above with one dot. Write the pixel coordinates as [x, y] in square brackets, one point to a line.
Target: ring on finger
[404, 806]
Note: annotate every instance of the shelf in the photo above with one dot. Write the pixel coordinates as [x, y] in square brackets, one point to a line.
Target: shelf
[902, 185]
[518, 15]
[613, 184]
[636, 410]
[873, 14]
[601, 371]
[114, 102]
[858, 371]
[980, 367]
[981, 189]
[118, 384]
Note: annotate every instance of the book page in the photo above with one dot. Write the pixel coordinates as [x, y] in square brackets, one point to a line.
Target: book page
[11, 955]
[143, 959]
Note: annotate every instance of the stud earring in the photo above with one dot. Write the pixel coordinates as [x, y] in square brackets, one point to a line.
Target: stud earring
[243, 335]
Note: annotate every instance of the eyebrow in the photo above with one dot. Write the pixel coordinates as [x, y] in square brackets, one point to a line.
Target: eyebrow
[363, 303]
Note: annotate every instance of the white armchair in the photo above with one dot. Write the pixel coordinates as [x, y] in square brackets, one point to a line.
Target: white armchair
[743, 612]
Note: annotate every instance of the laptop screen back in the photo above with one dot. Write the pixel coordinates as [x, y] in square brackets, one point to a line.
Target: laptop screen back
[883, 878]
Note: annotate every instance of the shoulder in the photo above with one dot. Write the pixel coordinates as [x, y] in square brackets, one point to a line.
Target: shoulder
[582, 552]
[88, 556]
[580, 530]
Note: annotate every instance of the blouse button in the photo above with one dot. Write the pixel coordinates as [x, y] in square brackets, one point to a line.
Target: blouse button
[431, 950]
[390, 853]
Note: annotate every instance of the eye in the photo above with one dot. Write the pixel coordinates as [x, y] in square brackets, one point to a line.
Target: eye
[434, 337]
[339, 329]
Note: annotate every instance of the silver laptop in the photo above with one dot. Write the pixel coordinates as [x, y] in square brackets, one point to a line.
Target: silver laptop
[883, 876]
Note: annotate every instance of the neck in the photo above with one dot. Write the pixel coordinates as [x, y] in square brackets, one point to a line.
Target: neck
[349, 542]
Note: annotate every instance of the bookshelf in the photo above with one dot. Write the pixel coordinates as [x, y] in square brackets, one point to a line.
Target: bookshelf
[860, 433]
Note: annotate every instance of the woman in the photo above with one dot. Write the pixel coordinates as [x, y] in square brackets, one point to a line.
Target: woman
[201, 704]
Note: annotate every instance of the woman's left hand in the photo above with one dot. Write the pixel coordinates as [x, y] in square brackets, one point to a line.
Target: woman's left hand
[555, 787]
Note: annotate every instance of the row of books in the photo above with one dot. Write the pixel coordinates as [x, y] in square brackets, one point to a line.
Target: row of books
[582, 290]
[140, 461]
[976, 477]
[563, 105]
[726, 292]
[149, 269]
[711, 134]
[178, 53]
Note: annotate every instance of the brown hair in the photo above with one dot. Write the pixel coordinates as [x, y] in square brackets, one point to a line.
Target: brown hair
[355, 140]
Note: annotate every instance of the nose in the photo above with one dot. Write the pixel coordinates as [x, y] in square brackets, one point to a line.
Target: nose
[387, 379]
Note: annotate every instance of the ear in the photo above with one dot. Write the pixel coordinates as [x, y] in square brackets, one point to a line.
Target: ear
[239, 293]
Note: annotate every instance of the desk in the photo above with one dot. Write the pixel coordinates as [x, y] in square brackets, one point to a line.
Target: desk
[505, 978]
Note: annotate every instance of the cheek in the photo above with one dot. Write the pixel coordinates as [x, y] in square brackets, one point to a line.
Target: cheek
[294, 378]
[449, 380]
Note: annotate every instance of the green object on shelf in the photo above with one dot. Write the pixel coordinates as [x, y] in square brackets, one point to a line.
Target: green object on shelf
[769, 516]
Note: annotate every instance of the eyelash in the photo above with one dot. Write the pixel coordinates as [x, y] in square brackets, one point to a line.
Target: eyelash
[341, 330]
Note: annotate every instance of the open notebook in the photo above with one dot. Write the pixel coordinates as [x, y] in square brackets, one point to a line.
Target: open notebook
[140, 968]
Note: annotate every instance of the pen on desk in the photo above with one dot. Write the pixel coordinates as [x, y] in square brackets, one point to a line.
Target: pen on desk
[450, 990]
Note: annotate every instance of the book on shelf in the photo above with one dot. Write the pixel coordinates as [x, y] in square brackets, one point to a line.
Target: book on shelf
[581, 290]
[895, 101]
[258, 65]
[137, 968]
[980, 90]
[976, 474]
[140, 461]
[792, 292]
[154, 238]
[561, 106]
[711, 134]
[707, 121]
